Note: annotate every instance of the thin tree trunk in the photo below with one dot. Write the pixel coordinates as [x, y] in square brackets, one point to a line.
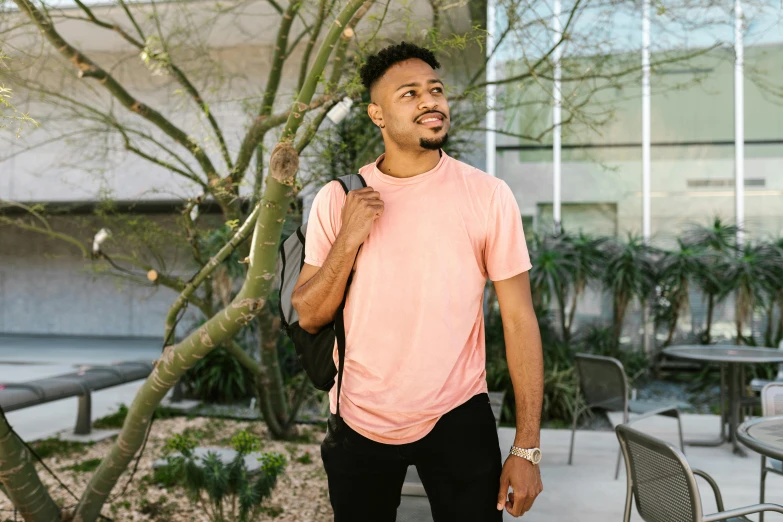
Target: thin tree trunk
[176, 359]
[770, 324]
[779, 335]
[269, 326]
[672, 328]
[20, 480]
[572, 311]
[620, 305]
[710, 311]
[561, 303]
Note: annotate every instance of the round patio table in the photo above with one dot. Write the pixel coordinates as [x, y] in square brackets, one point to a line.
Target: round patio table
[764, 435]
[734, 357]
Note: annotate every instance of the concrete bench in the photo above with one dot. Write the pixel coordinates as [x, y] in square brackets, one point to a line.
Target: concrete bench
[81, 384]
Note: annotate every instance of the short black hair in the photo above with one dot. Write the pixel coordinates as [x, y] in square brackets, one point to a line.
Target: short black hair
[379, 63]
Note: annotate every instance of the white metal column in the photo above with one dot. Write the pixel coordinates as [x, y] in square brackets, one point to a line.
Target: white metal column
[646, 154]
[556, 120]
[739, 124]
[490, 91]
[646, 120]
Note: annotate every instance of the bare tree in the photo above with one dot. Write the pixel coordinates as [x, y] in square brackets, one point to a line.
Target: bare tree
[188, 138]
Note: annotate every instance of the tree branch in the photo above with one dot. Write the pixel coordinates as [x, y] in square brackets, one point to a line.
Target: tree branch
[308, 89]
[545, 57]
[191, 286]
[259, 128]
[338, 64]
[163, 164]
[312, 129]
[316, 31]
[132, 19]
[89, 69]
[278, 58]
[47, 230]
[20, 480]
[224, 325]
[178, 73]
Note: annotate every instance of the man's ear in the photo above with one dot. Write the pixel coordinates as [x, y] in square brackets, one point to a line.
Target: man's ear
[376, 115]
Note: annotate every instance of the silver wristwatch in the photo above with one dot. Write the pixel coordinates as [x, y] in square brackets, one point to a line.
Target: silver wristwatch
[532, 454]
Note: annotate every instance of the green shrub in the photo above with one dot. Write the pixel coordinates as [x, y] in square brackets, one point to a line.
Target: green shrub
[219, 378]
[227, 492]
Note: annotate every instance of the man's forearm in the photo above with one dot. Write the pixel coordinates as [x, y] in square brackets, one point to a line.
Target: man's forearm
[317, 300]
[526, 366]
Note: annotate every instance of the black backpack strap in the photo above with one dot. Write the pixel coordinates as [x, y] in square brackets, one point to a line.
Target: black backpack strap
[349, 182]
[339, 330]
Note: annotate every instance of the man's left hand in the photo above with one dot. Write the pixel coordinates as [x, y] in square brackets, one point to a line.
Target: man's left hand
[525, 480]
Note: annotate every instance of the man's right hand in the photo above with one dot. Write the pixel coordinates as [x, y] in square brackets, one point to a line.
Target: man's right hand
[362, 207]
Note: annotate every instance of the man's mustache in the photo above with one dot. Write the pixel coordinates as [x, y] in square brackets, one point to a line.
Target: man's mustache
[430, 112]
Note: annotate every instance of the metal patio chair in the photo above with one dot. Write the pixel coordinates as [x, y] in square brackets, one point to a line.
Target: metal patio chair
[771, 404]
[604, 385]
[663, 484]
[758, 384]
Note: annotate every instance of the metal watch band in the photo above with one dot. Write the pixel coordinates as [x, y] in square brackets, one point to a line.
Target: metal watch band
[533, 455]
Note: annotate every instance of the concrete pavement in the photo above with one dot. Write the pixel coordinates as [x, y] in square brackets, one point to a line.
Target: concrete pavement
[584, 492]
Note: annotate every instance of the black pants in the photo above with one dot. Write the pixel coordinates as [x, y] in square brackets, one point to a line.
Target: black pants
[459, 464]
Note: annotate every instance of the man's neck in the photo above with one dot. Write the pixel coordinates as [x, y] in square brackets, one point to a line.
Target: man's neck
[406, 164]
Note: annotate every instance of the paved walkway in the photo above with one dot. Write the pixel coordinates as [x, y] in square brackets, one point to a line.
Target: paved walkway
[587, 491]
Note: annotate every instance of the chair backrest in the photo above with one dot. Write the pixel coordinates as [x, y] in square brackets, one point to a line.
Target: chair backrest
[772, 399]
[661, 480]
[602, 381]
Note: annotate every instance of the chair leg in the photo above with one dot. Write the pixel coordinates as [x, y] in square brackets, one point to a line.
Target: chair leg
[617, 467]
[628, 499]
[763, 484]
[679, 429]
[573, 434]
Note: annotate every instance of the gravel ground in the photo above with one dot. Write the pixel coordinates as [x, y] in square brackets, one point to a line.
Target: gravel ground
[301, 494]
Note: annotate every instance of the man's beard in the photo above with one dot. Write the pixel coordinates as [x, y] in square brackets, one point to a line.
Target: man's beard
[434, 143]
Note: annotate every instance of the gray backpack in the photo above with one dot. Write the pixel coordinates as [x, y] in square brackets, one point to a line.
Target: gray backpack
[314, 351]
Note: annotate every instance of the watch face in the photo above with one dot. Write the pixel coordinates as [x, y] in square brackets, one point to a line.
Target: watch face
[536, 456]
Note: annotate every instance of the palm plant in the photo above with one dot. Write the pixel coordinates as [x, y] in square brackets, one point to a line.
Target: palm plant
[751, 274]
[716, 240]
[678, 269]
[630, 274]
[776, 298]
[552, 272]
[588, 258]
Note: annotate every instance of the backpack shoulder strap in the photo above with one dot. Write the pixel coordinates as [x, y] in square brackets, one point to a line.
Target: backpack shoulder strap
[352, 182]
[349, 183]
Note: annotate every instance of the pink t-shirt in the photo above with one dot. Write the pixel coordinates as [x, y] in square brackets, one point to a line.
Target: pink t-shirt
[413, 318]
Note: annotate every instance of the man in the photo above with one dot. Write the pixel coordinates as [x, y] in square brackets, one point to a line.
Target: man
[431, 230]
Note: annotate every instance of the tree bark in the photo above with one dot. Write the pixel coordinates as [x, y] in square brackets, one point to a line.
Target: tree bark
[779, 335]
[770, 322]
[672, 328]
[620, 305]
[221, 328]
[269, 326]
[710, 311]
[572, 312]
[20, 479]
